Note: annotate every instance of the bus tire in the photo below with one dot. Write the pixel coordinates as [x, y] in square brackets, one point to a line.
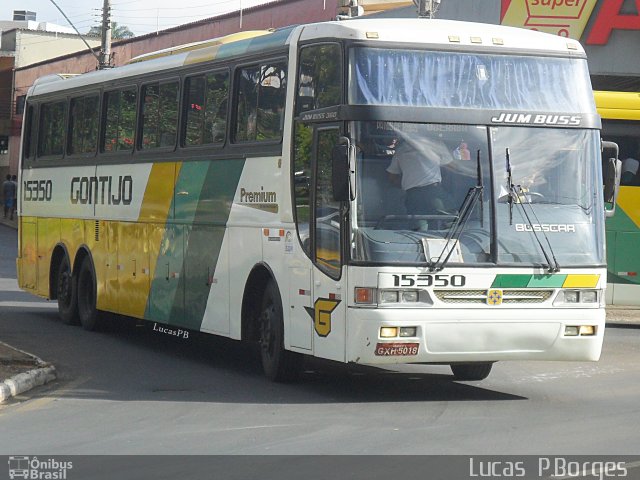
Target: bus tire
[471, 371]
[279, 365]
[66, 293]
[86, 291]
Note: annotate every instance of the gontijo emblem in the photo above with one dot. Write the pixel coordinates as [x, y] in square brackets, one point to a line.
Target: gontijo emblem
[321, 315]
[494, 297]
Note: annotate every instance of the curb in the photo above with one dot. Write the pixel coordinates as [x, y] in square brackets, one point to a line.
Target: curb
[22, 382]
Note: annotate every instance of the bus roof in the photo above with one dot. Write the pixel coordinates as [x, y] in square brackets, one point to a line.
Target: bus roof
[453, 34]
[467, 35]
[214, 42]
[618, 105]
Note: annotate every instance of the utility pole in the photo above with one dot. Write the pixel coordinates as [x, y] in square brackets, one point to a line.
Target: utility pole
[105, 49]
[74, 27]
[427, 8]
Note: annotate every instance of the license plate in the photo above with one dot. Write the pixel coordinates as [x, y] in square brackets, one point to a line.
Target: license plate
[396, 349]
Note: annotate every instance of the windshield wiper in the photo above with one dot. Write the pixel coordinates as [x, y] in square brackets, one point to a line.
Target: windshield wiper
[468, 204]
[519, 196]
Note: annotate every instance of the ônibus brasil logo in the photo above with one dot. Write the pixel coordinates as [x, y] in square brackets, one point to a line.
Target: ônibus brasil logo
[36, 469]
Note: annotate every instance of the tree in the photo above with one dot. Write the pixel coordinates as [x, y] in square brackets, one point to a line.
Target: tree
[118, 32]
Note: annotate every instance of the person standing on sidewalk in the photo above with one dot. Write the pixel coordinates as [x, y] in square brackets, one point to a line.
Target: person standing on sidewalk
[14, 179]
[8, 192]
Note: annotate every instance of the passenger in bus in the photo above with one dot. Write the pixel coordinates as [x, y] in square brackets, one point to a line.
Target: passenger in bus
[415, 167]
[630, 172]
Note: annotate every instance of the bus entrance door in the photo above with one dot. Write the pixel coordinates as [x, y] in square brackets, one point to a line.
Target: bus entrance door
[329, 317]
[329, 280]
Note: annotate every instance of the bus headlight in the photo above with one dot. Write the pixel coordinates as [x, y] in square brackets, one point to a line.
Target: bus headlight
[389, 296]
[399, 296]
[409, 296]
[371, 297]
[589, 296]
[579, 330]
[388, 332]
[573, 297]
[408, 331]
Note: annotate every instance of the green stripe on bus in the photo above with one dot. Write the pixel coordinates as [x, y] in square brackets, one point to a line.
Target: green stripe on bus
[621, 222]
[508, 280]
[547, 281]
[511, 281]
[206, 217]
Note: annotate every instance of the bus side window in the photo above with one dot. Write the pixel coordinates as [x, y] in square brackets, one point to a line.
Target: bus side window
[27, 149]
[120, 121]
[51, 131]
[206, 109]
[327, 210]
[260, 102]
[319, 77]
[83, 125]
[631, 169]
[159, 115]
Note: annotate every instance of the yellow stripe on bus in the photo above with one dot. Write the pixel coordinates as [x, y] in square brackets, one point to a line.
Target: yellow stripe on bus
[158, 194]
[629, 202]
[581, 281]
[618, 105]
[155, 209]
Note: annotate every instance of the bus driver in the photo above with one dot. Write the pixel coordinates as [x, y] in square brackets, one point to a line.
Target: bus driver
[415, 168]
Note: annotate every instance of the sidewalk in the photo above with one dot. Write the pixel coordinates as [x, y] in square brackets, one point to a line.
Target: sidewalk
[21, 371]
[623, 315]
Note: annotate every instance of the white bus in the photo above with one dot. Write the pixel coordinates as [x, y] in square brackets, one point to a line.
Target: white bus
[266, 187]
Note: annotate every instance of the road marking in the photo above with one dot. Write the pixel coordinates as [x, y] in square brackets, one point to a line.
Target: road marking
[233, 429]
[9, 285]
[29, 304]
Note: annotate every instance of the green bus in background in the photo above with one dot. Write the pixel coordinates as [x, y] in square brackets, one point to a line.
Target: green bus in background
[620, 113]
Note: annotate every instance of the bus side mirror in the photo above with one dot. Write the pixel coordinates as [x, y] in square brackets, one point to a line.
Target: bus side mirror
[340, 172]
[611, 171]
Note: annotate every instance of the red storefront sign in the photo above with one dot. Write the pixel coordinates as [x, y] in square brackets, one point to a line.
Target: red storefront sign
[569, 17]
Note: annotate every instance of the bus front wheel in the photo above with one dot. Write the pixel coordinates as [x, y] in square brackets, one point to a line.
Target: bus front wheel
[471, 371]
[279, 365]
[66, 293]
[89, 316]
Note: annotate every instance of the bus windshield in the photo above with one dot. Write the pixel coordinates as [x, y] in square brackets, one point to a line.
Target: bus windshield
[469, 80]
[413, 179]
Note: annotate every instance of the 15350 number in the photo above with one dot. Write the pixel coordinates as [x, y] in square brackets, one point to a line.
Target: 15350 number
[428, 280]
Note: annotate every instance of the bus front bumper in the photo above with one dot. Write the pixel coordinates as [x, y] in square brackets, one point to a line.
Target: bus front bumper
[461, 335]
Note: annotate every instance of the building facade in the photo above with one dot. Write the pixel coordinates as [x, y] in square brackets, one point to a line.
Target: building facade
[24, 43]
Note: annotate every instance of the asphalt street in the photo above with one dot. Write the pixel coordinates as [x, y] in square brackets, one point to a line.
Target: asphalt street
[130, 390]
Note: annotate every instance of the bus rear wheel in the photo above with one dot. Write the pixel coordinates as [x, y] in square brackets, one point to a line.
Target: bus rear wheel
[279, 365]
[89, 315]
[66, 293]
[471, 371]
